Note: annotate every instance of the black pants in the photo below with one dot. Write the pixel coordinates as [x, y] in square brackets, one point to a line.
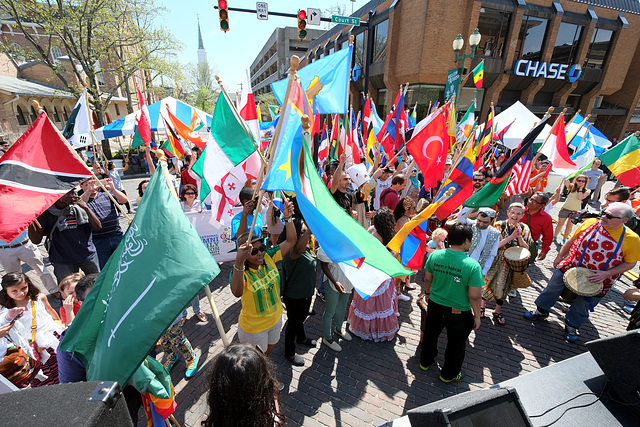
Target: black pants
[459, 326]
[297, 312]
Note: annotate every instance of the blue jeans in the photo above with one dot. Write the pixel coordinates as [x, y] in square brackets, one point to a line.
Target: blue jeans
[88, 266]
[335, 305]
[105, 247]
[578, 312]
[195, 305]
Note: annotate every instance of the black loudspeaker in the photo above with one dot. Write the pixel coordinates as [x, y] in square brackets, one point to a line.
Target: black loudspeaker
[91, 404]
[619, 356]
[489, 407]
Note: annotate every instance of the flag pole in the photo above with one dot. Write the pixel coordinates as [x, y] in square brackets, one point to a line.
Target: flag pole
[560, 116]
[36, 105]
[162, 160]
[294, 62]
[93, 139]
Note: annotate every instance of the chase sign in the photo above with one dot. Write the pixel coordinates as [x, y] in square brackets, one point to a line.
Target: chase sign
[526, 68]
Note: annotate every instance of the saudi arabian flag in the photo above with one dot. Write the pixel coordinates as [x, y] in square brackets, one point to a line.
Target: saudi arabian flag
[157, 269]
[77, 130]
[229, 143]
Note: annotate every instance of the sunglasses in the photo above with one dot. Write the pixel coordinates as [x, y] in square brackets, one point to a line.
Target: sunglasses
[189, 193]
[609, 216]
[478, 179]
[260, 248]
[581, 180]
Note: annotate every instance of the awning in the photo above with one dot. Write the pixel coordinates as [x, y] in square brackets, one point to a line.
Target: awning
[125, 125]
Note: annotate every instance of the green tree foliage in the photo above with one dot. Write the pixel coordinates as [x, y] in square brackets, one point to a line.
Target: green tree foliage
[107, 43]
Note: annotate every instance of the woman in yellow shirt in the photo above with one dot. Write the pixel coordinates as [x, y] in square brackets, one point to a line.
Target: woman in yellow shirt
[571, 208]
[255, 279]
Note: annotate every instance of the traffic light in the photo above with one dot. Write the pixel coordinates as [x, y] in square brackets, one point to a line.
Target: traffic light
[302, 24]
[223, 10]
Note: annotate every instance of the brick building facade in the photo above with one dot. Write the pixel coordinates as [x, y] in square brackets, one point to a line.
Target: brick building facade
[597, 41]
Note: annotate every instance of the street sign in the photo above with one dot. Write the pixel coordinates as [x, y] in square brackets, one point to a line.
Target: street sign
[262, 10]
[313, 16]
[348, 20]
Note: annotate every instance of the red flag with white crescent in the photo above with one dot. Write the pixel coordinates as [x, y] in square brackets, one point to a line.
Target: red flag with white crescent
[429, 150]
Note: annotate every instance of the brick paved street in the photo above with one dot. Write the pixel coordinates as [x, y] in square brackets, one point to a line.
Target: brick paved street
[371, 383]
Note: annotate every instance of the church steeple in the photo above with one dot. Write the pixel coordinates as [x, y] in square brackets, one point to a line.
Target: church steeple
[202, 54]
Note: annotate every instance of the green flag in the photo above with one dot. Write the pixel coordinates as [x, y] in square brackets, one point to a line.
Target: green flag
[157, 269]
[137, 139]
[274, 110]
[198, 169]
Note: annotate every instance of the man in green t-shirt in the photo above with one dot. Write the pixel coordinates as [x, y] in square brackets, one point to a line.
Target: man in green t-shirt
[452, 285]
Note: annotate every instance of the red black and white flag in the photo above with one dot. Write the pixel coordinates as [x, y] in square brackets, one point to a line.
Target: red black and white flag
[35, 172]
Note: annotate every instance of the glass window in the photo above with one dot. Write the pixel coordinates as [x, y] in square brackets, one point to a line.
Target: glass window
[34, 115]
[56, 116]
[598, 48]
[531, 37]
[20, 116]
[358, 47]
[381, 104]
[492, 25]
[565, 49]
[55, 52]
[117, 109]
[424, 95]
[65, 114]
[380, 41]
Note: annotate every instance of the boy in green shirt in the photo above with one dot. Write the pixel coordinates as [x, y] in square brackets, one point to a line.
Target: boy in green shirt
[452, 286]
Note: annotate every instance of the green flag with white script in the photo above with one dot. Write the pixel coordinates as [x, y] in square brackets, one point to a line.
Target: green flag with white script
[158, 268]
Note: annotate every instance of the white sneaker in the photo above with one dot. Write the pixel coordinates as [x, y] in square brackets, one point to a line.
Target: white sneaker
[344, 335]
[403, 297]
[513, 293]
[332, 345]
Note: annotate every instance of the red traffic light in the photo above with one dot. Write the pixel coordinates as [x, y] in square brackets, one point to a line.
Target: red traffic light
[224, 15]
[302, 14]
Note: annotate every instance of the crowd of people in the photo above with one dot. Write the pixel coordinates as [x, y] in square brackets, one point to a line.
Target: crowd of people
[473, 259]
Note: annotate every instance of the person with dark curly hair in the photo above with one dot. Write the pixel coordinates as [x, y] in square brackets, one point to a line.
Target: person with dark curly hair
[243, 390]
[375, 318]
[142, 187]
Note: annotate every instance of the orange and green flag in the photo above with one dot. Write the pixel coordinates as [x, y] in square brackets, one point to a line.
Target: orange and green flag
[623, 161]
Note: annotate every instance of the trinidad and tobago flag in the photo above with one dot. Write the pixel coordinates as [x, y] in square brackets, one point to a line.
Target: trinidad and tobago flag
[35, 172]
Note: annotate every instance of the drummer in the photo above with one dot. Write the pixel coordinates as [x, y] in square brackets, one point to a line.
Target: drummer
[612, 249]
[498, 279]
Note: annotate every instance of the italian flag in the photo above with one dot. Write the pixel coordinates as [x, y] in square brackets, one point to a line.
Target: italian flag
[231, 156]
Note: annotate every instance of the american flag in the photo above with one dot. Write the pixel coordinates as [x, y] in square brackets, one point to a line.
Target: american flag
[521, 174]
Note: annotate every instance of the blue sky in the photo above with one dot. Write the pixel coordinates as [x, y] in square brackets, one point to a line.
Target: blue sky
[231, 53]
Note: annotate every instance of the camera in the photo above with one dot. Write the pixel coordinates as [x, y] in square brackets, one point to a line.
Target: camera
[585, 214]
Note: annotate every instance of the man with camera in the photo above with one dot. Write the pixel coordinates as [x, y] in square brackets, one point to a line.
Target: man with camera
[607, 247]
[68, 225]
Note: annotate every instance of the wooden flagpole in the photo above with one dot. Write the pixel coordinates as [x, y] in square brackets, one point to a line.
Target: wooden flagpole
[295, 61]
[36, 105]
[560, 117]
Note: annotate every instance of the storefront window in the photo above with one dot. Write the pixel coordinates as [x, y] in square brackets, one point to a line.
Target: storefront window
[531, 38]
[424, 95]
[359, 49]
[380, 103]
[493, 25]
[598, 48]
[565, 49]
[380, 41]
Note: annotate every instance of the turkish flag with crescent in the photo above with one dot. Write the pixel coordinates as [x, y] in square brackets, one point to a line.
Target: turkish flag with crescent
[429, 150]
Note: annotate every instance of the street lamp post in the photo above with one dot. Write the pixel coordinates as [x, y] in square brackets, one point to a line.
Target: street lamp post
[458, 44]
